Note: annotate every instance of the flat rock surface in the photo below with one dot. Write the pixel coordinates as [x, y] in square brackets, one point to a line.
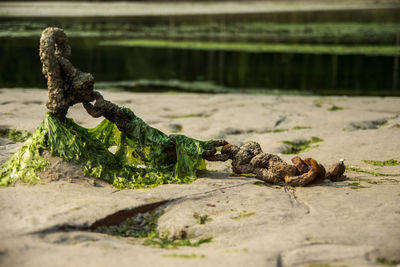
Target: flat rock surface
[352, 222]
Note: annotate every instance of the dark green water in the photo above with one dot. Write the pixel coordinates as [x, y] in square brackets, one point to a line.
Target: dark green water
[322, 74]
[309, 73]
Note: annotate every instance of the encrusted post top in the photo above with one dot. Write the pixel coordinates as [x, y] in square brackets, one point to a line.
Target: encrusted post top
[66, 84]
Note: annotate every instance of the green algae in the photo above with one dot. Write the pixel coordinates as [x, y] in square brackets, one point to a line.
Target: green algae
[296, 128]
[191, 115]
[258, 47]
[359, 170]
[389, 162]
[278, 130]
[212, 28]
[167, 243]
[296, 147]
[243, 214]
[334, 108]
[89, 147]
[281, 130]
[24, 164]
[185, 256]
[202, 219]
[15, 135]
[386, 261]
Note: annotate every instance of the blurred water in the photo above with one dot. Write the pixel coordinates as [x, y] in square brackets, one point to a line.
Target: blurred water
[322, 74]
[319, 74]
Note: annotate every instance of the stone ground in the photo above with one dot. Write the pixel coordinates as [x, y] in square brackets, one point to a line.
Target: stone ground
[352, 222]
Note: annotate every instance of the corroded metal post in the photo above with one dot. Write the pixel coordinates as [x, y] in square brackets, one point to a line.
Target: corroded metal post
[66, 84]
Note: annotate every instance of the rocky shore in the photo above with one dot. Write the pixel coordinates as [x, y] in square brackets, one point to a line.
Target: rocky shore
[352, 222]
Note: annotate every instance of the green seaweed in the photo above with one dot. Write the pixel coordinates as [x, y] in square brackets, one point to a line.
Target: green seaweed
[24, 164]
[15, 135]
[243, 214]
[279, 130]
[191, 115]
[259, 47]
[201, 219]
[185, 256]
[212, 28]
[301, 127]
[89, 147]
[166, 242]
[385, 261]
[355, 169]
[334, 108]
[389, 162]
[296, 147]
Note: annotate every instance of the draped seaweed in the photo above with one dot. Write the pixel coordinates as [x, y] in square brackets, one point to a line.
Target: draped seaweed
[140, 160]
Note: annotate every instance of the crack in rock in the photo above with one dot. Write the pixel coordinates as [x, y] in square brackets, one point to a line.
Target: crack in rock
[113, 219]
[120, 216]
[281, 119]
[295, 201]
